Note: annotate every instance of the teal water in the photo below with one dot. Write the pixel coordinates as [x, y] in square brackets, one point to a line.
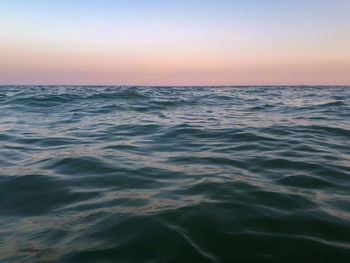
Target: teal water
[174, 174]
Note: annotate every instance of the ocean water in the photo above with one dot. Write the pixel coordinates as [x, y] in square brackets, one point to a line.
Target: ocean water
[174, 174]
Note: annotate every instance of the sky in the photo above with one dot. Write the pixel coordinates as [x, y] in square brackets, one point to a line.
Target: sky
[175, 42]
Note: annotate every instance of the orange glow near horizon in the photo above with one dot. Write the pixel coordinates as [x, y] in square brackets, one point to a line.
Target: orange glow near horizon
[172, 52]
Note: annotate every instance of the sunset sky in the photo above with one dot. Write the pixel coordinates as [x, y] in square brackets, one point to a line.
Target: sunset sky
[180, 42]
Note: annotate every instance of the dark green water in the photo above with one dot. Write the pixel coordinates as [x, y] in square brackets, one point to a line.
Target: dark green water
[174, 174]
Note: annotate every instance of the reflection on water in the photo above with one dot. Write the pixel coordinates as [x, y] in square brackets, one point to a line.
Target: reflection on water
[174, 174]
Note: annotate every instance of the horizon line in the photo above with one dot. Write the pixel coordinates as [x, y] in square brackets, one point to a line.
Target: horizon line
[195, 85]
[217, 85]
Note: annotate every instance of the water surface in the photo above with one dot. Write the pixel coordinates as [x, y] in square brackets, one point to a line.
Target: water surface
[174, 174]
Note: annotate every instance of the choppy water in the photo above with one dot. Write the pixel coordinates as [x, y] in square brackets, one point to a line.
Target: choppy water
[174, 174]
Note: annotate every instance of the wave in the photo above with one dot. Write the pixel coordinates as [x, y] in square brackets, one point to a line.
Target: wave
[174, 174]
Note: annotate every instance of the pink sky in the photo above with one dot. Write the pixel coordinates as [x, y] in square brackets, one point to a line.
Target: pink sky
[59, 43]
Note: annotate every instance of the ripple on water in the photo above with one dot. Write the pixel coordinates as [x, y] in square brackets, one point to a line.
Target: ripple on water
[35, 195]
[174, 174]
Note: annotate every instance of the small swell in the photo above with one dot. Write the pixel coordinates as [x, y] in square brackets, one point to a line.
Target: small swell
[174, 174]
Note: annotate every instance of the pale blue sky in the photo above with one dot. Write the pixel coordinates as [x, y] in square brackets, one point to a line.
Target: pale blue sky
[159, 42]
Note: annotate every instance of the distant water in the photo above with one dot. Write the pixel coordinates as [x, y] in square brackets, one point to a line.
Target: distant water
[174, 174]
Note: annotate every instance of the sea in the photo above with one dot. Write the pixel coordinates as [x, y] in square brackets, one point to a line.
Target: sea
[174, 174]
